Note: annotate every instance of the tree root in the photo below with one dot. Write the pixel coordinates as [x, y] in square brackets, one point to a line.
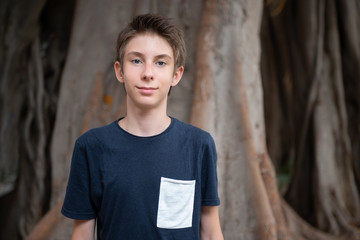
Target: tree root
[52, 226]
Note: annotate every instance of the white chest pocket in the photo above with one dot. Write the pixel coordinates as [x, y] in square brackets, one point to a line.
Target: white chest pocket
[176, 203]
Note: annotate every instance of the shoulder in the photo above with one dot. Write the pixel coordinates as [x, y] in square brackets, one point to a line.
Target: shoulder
[97, 135]
[193, 133]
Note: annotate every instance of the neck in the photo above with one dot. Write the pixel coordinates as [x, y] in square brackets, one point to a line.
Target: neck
[145, 123]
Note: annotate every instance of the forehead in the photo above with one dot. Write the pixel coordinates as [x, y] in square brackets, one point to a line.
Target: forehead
[149, 44]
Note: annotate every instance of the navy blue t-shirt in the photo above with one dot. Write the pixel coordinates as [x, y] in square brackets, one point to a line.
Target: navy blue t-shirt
[143, 187]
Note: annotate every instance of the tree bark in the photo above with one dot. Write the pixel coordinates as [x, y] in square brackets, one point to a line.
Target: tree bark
[22, 83]
[228, 103]
[311, 79]
[52, 91]
[29, 83]
[338, 202]
[349, 35]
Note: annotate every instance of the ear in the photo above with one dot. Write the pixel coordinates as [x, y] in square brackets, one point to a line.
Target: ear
[177, 76]
[118, 72]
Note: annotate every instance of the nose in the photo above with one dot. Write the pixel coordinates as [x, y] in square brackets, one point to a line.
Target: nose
[148, 72]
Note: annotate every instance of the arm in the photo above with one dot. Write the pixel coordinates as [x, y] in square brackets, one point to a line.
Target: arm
[210, 224]
[83, 230]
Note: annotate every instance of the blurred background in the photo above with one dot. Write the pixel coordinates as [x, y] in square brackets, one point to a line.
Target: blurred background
[276, 83]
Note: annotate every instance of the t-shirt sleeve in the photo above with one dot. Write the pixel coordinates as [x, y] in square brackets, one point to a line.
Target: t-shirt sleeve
[209, 181]
[77, 202]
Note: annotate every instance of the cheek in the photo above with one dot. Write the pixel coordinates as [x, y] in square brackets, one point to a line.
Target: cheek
[129, 74]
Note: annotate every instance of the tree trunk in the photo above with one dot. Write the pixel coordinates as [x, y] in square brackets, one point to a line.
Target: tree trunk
[349, 36]
[338, 201]
[26, 117]
[226, 76]
[308, 75]
[53, 89]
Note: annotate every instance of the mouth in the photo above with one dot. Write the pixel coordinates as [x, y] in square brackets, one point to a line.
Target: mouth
[147, 90]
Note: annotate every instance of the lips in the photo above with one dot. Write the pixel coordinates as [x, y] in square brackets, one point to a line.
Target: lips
[147, 90]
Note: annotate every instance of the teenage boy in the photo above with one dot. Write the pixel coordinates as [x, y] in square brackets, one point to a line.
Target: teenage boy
[146, 175]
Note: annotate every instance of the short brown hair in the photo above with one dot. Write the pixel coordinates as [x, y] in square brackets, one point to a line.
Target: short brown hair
[153, 23]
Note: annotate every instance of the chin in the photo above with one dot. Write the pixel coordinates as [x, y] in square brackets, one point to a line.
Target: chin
[148, 105]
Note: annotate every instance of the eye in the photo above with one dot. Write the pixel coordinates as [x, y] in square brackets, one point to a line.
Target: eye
[136, 61]
[161, 63]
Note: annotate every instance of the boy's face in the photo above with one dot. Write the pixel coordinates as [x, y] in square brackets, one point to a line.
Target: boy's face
[148, 71]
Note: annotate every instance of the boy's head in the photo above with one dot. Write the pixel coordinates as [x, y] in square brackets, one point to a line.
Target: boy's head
[152, 23]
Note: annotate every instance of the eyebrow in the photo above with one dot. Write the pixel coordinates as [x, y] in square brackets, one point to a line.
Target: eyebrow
[139, 54]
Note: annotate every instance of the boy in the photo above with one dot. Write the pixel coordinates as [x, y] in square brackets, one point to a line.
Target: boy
[146, 175]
